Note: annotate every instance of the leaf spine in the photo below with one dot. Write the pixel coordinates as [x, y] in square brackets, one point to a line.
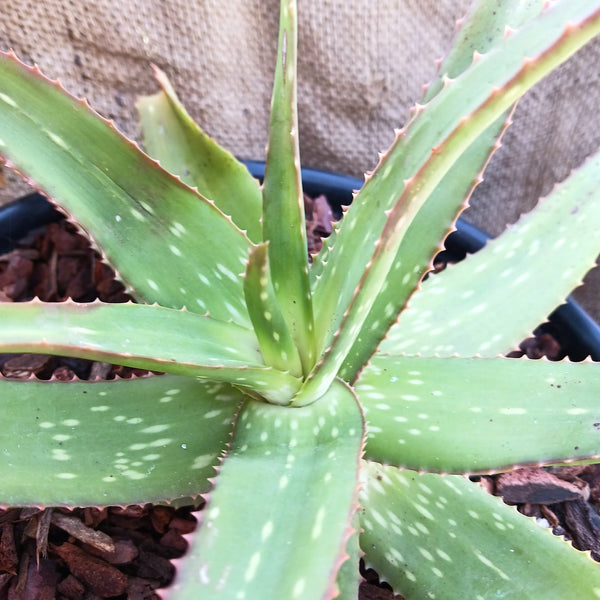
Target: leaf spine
[447, 80]
[477, 56]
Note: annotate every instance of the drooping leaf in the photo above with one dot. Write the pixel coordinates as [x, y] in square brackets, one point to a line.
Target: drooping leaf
[283, 201]
[503, 278]
[83, 443]
[277, 522]
[456, 415]
[146, 337]
[179, 144]
[445, 537]
[187, 253]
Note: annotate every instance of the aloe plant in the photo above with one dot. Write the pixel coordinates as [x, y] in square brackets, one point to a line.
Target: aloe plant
[304, 401]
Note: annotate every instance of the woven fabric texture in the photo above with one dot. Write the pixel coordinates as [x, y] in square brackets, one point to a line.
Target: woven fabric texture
[362, 64]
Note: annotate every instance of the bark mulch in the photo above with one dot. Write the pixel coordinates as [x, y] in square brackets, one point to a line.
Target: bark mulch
[125, 552]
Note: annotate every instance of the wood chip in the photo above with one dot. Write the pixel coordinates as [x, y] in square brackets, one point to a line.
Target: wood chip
[76, 528]
[23, 366]
[535, 486]
[41, 535]
[584, 526]
[319, 219]
[96, 574]
[9, 558]
[160, 517]
[125, 551]
[38, 582]
[71, 588]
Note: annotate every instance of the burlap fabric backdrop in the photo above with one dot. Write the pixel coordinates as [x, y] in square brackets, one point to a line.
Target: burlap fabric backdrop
[362, 63]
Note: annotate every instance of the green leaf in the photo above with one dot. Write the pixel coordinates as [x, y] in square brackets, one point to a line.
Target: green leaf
[489, 302]
[147, 337]
[179, 144]
[445, 537]
[276, 343]
[349, 578]
[433, 217]
[482, 29]
[126, 441]
[283, 201]
[418, 160]
[167, 243]
[474, 414]
[282, 509]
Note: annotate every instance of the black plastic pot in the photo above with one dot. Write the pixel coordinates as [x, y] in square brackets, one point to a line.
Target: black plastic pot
[20, 217]
[575, 329]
